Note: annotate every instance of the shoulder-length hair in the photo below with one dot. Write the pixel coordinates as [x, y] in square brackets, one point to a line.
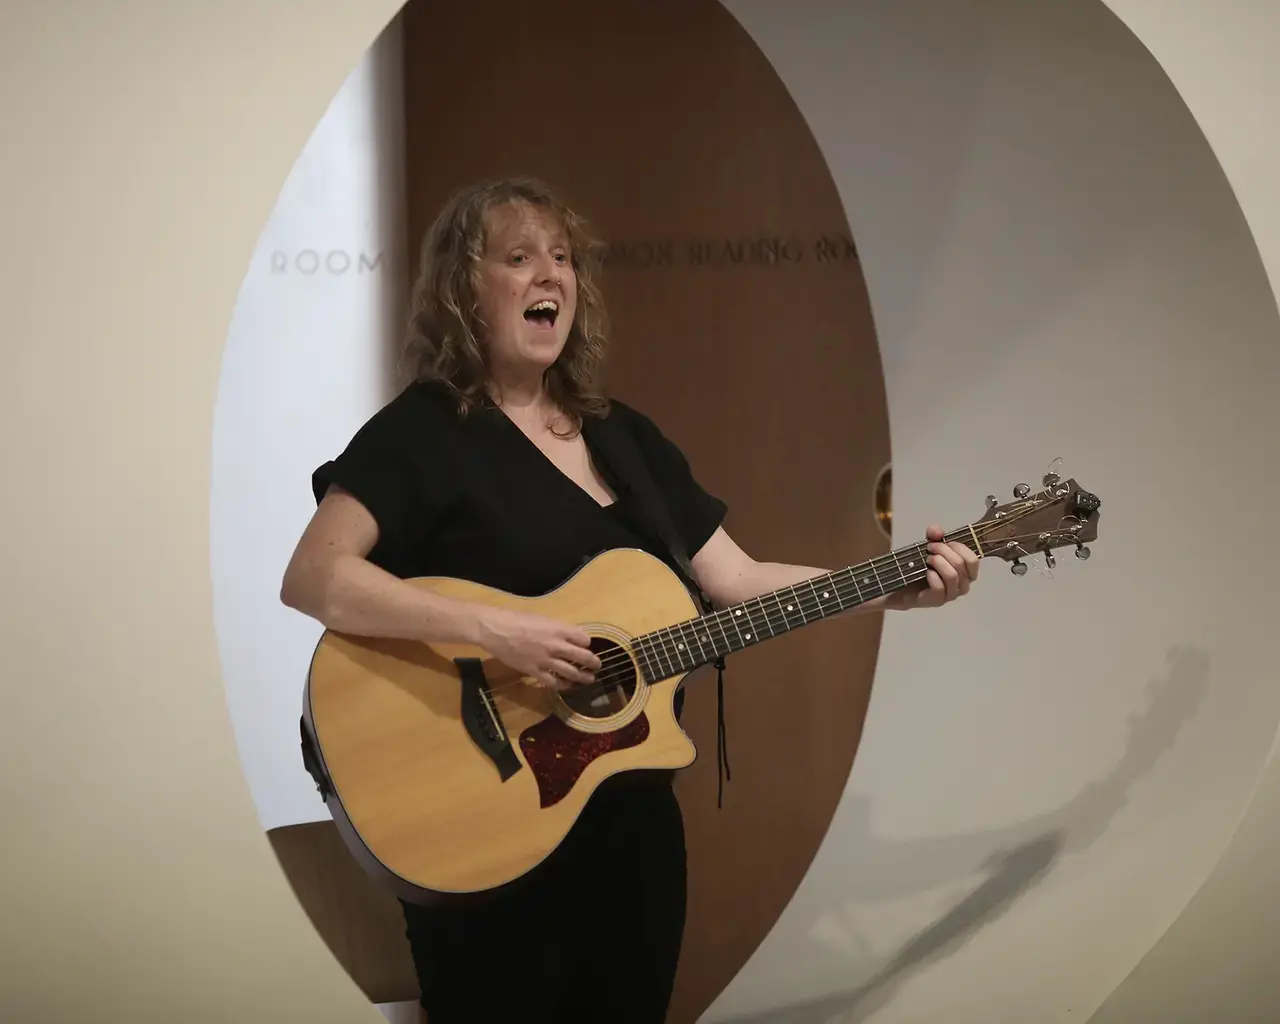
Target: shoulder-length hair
[443, 342]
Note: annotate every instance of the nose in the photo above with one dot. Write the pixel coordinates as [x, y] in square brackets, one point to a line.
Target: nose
[548, 270]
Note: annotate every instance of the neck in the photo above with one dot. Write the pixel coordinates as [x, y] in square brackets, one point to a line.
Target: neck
[696, 642]
[519, 391]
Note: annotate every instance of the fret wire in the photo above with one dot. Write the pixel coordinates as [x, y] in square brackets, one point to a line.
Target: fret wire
[879, 582]
[734, 619]
[662, 651]
[707, 636]
[831, 582]
[685, 630]
[898, 565]
[853, 578]
[884, 565]
[689, 636]
[777, 599]
[647, 669]
[653, 649]
[695, 630]
[768, 615]
[866, 580]
[765, 612]
[660, 644]
[728, 646]
[795, 598]
[651, 654]
[814, 591]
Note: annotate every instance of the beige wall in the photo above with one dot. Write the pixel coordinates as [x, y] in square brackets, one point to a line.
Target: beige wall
[1217, 961]
[144, 145]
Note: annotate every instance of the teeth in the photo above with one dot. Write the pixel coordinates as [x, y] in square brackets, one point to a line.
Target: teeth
[544, 304]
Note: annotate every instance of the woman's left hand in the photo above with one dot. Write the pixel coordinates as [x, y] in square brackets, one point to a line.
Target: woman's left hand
[953, 568]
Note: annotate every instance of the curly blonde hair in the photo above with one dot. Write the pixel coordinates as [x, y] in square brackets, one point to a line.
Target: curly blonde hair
[444, 343]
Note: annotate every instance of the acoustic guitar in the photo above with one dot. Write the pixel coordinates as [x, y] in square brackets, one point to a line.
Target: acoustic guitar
[449, 776]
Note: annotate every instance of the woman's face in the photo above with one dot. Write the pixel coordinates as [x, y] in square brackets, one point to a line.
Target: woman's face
[526, 290]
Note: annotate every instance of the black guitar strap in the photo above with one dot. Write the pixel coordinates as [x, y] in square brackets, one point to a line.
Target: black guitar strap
[627, 472]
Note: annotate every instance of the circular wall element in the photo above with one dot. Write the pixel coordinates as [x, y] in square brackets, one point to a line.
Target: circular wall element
[1039, 291]
[741, 324]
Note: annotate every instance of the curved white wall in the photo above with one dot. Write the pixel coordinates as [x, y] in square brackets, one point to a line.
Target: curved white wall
[308, 359]
[1022, 299]
[1057, 267]
[1217, 961]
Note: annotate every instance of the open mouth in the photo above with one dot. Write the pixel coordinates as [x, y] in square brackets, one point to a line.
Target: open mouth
[543, 314]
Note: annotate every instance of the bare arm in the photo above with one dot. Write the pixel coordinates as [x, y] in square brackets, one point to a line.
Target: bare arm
[730, 576]
[330, 579]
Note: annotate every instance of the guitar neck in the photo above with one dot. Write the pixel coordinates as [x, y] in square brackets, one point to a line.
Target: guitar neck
[696, 642]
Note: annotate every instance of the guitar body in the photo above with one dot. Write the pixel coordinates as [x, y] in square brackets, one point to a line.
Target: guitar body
[448, 775]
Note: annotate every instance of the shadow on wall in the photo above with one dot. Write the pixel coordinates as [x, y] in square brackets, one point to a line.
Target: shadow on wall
[1013, 859]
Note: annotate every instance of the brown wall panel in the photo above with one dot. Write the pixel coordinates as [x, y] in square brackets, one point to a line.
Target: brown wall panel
[741, 323]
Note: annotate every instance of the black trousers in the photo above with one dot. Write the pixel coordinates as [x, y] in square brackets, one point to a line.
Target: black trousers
[593, 935]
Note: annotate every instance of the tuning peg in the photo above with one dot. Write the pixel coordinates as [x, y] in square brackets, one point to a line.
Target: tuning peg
[992, 501]
[1019, 567]
[1021, 491]
[1082, 552]
[1050, 479]
[1050, 559]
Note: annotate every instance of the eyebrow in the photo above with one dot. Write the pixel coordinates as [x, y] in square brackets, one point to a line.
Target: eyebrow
[557, 241]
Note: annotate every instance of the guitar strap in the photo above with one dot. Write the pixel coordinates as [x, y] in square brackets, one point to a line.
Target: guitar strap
[627, 472]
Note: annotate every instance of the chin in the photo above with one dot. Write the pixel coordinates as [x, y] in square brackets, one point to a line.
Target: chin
[545, 349]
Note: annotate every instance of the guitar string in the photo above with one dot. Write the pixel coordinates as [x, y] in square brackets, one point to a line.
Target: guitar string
[617, 666]
[810, 602]
[607, 678]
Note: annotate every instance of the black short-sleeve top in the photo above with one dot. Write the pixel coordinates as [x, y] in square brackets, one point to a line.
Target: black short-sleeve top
[474, 498]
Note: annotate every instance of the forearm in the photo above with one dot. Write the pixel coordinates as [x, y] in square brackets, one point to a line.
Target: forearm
[349, 594]
[757, 578]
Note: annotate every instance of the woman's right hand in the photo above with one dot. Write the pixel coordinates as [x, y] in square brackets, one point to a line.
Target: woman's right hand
[552, 653]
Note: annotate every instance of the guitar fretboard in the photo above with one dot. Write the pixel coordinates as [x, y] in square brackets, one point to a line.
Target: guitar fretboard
[696, 642]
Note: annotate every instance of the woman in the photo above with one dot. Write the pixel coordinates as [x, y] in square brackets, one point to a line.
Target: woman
[483, 468]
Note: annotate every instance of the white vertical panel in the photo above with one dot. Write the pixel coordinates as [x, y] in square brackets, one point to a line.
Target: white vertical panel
[306, 363]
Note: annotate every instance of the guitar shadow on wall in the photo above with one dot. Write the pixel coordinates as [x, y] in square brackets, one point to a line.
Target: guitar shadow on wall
[1014, 860]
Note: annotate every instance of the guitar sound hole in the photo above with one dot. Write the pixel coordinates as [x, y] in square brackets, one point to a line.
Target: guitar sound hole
[614, 687]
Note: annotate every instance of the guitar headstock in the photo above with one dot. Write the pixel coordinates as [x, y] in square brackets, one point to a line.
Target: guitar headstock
[1059, 515]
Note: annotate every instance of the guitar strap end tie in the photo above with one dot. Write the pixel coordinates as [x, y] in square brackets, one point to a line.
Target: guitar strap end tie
[722, 745]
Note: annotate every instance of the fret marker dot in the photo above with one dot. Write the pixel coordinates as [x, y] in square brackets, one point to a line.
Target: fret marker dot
[911, 565]
[738, 612]
[791, 608]
[748, 636]
[825, 594]
[680, 647]
[866, 579]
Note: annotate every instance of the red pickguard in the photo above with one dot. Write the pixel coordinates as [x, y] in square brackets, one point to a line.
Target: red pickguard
[559, 754]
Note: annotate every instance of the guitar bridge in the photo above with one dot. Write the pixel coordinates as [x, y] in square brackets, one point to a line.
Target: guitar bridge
[481, 719]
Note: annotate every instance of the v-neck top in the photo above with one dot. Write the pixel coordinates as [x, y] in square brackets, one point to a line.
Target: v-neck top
[474, 498]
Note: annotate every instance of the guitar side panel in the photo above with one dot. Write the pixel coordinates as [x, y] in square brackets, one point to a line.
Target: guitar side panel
[416, 800]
